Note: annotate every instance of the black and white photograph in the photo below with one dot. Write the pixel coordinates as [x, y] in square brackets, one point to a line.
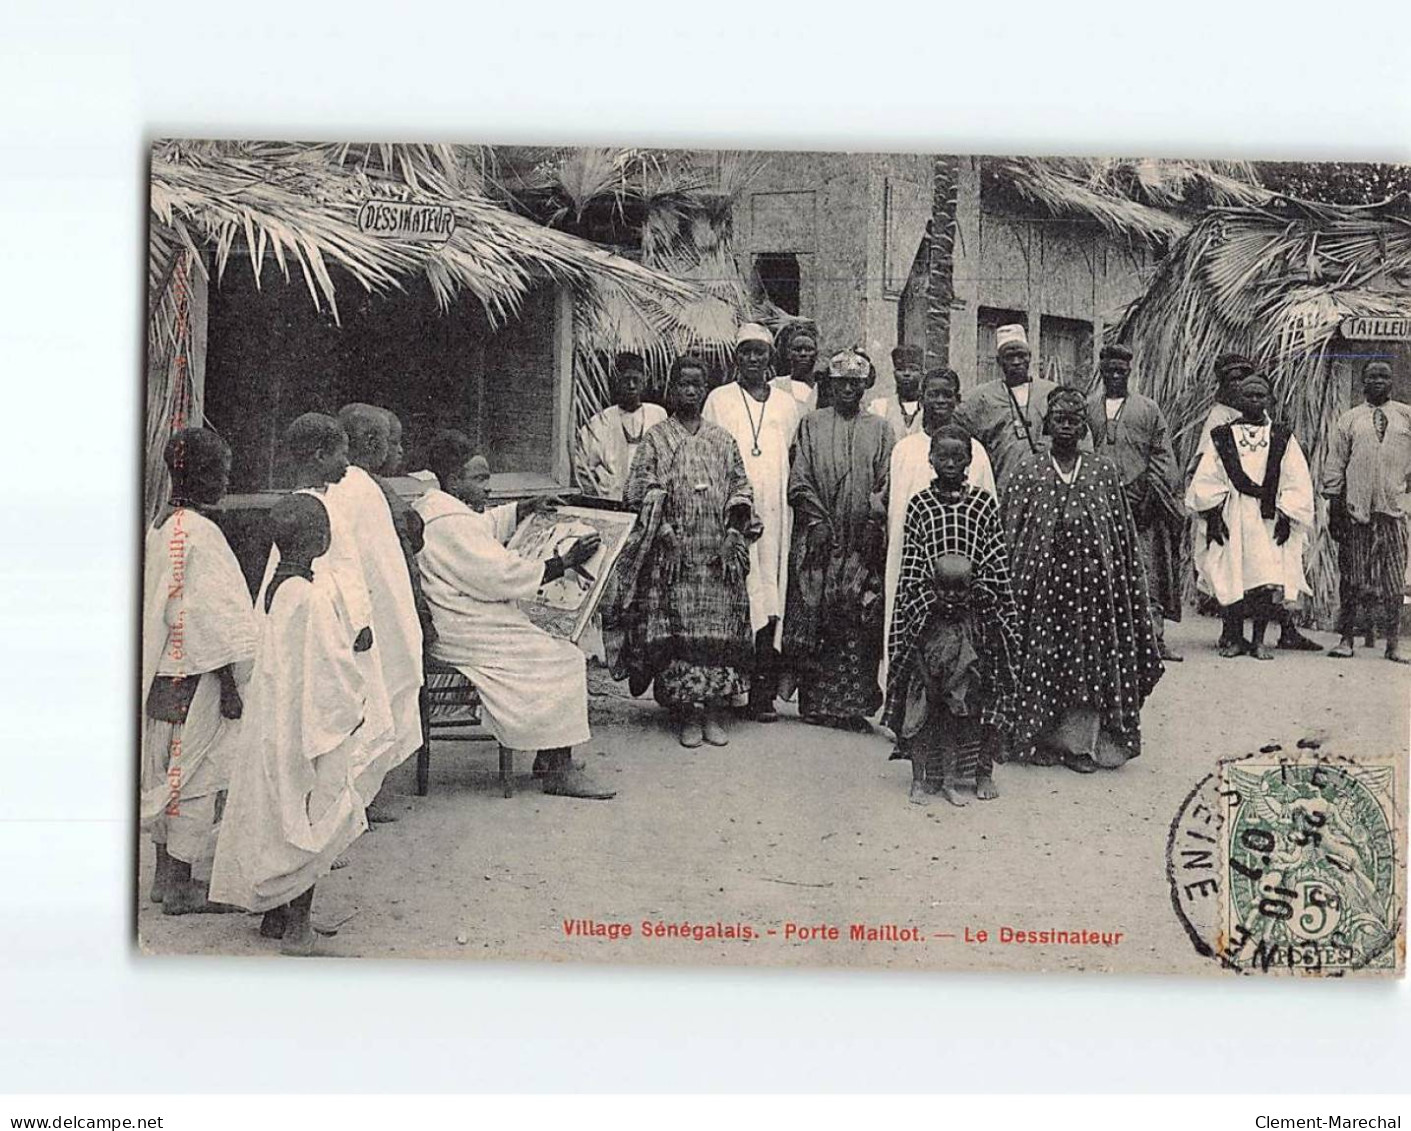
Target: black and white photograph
[733, 558]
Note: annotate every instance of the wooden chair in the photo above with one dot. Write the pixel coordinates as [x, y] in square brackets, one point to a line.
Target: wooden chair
[449, 702]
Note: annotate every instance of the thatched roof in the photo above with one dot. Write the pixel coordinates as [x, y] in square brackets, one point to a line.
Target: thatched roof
[1150, 200]
[1274, 281]
[297, 205]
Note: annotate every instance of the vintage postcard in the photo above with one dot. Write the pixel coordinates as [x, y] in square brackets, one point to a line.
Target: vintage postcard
[908, 561]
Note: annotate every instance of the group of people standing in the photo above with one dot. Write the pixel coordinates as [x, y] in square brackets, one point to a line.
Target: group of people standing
[973, 568]
[992, 572]
[268, 729]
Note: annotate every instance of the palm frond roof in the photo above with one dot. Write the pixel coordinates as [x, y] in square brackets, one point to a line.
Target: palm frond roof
[297, 205]
[1149, 199]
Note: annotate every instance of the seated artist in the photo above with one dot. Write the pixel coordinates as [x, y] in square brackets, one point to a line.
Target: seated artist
[533, 685]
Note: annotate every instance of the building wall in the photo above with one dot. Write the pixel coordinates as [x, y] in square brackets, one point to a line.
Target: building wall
[272, 355]
[854, 222]
[1069, 280]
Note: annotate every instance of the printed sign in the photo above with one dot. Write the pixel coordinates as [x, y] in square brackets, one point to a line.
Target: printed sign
[399, 220]
[1377, 329]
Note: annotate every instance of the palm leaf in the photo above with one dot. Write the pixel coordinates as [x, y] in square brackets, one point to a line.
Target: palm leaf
[1273, 280]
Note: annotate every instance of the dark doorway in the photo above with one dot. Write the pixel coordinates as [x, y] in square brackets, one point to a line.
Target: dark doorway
[779, 279]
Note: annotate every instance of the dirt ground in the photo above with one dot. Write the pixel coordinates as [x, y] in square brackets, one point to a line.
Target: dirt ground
[792, 824]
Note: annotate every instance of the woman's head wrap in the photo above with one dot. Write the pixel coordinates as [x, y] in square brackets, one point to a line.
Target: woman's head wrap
[1067, 397]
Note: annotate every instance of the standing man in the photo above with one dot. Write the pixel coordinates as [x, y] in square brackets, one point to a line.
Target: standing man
[797, 346]
[608, 441]
[396, 627]
[834, 620]
[1230, 370]
[912, 471]
[1007, 416]
[903, 411]
[1130, 430]
[317, 449]
[763, 420]
[1367, 470]
[1254, 493]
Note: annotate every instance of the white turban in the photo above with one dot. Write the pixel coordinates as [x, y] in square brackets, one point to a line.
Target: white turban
[753, 332]
[1011, 335]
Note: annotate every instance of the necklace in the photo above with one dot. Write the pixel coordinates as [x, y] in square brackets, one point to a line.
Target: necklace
[1068, 476]
[1022, 430]
[1248, 437]
[755, 429]
[641, 426]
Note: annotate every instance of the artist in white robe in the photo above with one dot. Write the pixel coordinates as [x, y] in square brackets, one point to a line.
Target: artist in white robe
[317, 447]
[1253, 490]
[198, 642]
[293, 804]
[911, 473]
[396, 629]
[607, 443]
[533, 685]
[763, 420]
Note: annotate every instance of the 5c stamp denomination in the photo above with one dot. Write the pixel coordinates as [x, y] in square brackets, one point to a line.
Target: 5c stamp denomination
[1286, 862]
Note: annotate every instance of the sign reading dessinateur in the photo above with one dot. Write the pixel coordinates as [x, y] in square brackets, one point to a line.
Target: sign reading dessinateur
[393, 219]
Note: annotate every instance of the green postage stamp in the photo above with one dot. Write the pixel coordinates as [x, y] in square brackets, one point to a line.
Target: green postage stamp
[1299, 852]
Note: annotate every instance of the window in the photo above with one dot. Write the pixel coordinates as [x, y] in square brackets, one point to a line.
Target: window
[1066, 352]
[778, 280]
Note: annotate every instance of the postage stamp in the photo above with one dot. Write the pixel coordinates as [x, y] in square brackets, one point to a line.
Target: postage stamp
[1286, 862]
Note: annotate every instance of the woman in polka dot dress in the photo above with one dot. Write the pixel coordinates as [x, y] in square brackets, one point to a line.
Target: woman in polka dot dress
[1089, 657]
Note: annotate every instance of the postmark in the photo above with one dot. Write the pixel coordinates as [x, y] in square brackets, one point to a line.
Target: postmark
[1286, 862]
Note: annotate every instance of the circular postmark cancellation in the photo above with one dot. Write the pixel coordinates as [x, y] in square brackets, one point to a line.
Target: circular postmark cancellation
[1287, 862]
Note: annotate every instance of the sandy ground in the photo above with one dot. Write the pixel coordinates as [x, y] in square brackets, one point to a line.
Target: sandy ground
[791, 824]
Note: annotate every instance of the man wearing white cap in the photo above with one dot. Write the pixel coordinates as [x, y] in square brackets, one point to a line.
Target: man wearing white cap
[1007, 416]
[763, 420]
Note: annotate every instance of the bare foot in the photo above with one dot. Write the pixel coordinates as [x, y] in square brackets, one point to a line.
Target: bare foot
[161, 875]
[274, 921]
[950, 793]
[338, 864]
[380, 815]
[985, 788]
[1396, 657]
[191, 899]
[692, 734]
[298, 938]
[918, 794]
[1229, 650]
[1342, 652]
[1262, 652]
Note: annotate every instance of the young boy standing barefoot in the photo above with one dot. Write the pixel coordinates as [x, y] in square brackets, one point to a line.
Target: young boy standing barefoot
[293, 806]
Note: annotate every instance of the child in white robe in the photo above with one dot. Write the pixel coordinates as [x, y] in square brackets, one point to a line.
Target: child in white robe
[293, 804]
[198, 641]
[1253, 490]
